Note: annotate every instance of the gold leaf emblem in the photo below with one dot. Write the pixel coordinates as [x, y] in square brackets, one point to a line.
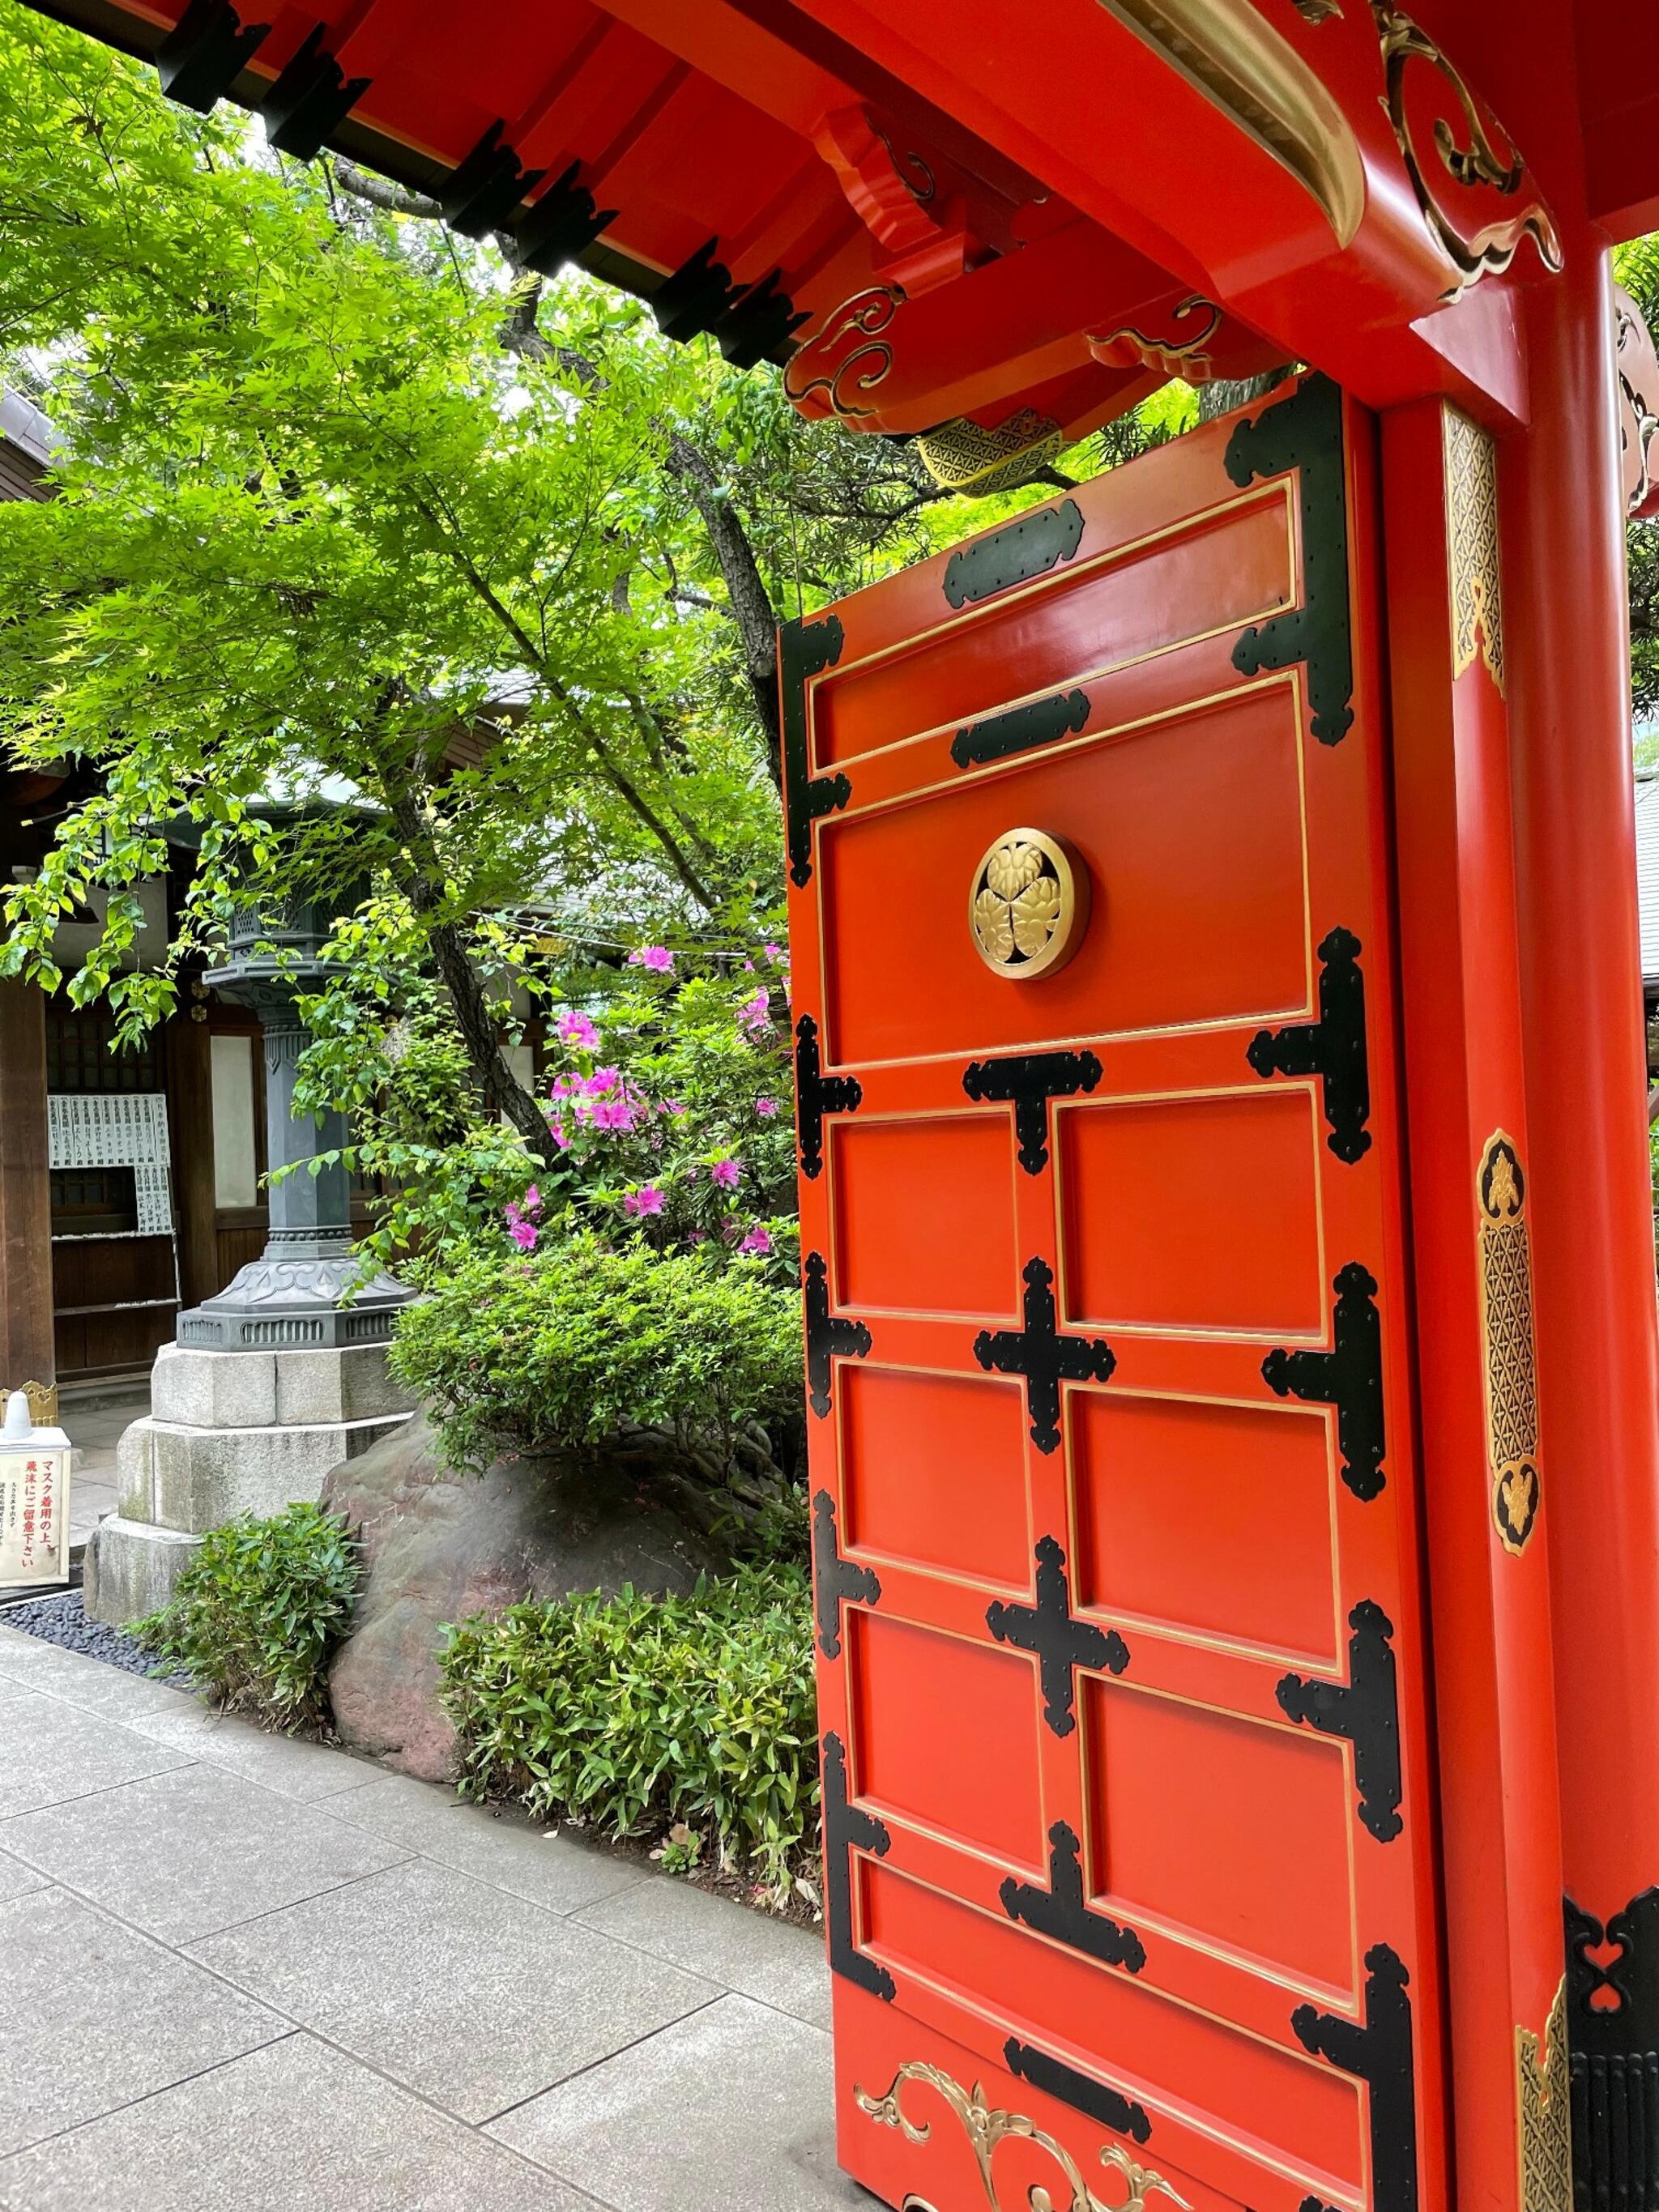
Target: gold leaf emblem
[1028, 904]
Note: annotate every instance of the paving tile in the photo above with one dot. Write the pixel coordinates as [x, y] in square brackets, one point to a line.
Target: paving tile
[551, 1870]
[469, 1995]
[91, 1684]
[17, 1879]
[747, 1951]
[286, 1764]
[185, 1853]
[294, 2128]
[96, 2016]
[51, 1752]
[730, 2110]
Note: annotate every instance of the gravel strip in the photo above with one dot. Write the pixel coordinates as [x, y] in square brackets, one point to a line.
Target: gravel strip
[62, 1620]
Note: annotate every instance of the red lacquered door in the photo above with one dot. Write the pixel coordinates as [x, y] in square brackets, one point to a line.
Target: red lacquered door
[1131, 1868]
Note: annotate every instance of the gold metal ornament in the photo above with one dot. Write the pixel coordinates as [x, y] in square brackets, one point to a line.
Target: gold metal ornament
[1260, 83]
[1477, 592]
[1182, 353]
[986, 2127]
[861, 318]
[1542, 2119]
[43, 1402]
[1507, 1343]
[1491, 250]
[1028, 905]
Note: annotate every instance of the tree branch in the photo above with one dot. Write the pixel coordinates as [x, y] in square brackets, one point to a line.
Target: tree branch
[751, 605]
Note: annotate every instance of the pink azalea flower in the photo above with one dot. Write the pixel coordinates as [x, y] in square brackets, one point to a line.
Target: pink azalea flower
[523, 1234]
[775, 953]
[612, 1114]
[758, 1241]
[657, 958]
[578, 1029]
[532, 1200]
[766, 1108]
[648, 1200]
[748, 966]
[727, 1173]
[696, 1235]
[601, 1079]
[559, 1136]
[755, 1013]
[675, 1106]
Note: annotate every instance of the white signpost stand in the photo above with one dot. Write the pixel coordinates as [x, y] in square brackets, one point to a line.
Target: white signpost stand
[34, 1500]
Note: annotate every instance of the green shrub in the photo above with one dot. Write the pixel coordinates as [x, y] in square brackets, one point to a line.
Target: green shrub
[639, 1714]
[581, 1346]
[258, 1613]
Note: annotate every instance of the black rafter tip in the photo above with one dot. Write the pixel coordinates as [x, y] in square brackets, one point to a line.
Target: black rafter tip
[310, 99]
[560, 224]
[482, 191]
[205, 51]
[1027, 1081]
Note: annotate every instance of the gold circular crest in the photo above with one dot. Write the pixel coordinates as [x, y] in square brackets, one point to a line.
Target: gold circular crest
[1028, 905]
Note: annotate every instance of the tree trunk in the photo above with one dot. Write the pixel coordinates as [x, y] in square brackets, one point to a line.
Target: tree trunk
[751, 605]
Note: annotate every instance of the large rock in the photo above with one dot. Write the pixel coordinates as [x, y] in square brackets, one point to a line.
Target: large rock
[439, 1546]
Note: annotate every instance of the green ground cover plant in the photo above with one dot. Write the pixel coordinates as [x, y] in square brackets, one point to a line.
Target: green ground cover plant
[689, 1717]
[258, 1613]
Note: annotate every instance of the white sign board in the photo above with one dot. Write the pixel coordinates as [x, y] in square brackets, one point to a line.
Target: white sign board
[34, 1519]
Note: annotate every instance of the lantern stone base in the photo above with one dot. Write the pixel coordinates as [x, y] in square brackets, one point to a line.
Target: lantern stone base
[230, 1432]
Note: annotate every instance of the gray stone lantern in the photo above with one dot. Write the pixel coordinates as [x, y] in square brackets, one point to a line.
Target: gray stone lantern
[305, 1289]
[283, 1376]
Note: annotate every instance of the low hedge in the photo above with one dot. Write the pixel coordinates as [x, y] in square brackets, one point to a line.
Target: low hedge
[258, 1611]
[639, 1715]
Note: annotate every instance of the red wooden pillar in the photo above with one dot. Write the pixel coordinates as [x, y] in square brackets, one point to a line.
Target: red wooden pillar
[1471, 1161]
[1598, 1346]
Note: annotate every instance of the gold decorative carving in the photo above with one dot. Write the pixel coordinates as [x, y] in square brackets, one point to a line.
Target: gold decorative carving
[1471, 538]
[1507, 1343]
[1543, 2121]
[963, 456]
[861, 318]
[1639, 404]
[1028, 905]
[1317, 11]
[1489, 251]
[43, 1402]
[984, 2127]
[1178, 354]
[1258, 80]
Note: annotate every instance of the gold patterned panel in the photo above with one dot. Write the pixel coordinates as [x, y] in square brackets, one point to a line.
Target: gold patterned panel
[1507, 1343]
[1477, 590]
[986, 2127]
[963, 456]
[1542, 2109]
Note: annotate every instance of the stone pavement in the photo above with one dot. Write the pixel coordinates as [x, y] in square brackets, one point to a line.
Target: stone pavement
[237, 1970]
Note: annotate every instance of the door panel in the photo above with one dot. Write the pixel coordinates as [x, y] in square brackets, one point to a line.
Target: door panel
[1130, 1856]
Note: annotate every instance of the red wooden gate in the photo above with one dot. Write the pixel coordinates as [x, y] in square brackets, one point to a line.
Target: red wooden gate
[1130, 1850]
